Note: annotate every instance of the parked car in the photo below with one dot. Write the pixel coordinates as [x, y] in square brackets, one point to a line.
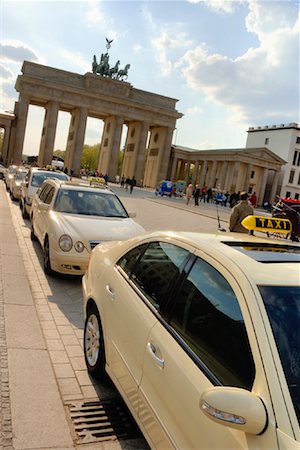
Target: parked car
[200, 334]
[71, 218]
[33, 180]
[9, 174]
[16, 182]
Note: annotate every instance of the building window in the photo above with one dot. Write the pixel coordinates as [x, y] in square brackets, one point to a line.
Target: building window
[296, 196]
[252, 174]
[105, 143]
[153, 151]
[298, 140]
[155, 137]
[298, 162]
[295, 157]
[132, 132]
[266, 141]
[130, 147]
[287, 194]
[299, 179]
[292, 174]
[108, 127]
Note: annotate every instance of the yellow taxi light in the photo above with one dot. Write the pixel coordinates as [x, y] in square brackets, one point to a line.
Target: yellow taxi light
[261, 223]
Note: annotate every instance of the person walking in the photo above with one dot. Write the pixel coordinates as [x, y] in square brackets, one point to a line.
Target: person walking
[239, 212]
[196, 194]
[132, 183]
[189, 193]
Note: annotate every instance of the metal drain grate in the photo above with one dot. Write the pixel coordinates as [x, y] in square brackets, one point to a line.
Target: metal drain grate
[102, 421]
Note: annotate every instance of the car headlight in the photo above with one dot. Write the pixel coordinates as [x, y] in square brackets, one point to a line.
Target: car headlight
[65, 243]
[79, 246]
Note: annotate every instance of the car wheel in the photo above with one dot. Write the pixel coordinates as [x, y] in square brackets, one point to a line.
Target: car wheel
[24, 212]
[47, 263]
[32, 235]
[94, 351]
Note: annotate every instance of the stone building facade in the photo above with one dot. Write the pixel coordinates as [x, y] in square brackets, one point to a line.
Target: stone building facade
[231, 170]
[284, 141]
[115, 102]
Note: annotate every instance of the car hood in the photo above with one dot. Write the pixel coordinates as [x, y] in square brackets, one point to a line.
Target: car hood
[92, 228]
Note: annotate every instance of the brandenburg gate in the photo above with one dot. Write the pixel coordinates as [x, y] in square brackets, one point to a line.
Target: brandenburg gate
[150, 119]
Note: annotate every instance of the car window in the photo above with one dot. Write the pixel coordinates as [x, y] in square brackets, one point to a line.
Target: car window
[128, 261]
[89, 203]
[207, 315]
[44, 191]
[39, 177]
[21, 175]
[283, 308]
[49, 195]
[158, 269]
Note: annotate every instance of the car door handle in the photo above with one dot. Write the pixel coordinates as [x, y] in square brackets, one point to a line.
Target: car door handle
[110, 291]
[152, 349]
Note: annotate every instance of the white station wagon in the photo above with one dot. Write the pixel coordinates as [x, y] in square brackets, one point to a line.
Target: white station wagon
[70, 218]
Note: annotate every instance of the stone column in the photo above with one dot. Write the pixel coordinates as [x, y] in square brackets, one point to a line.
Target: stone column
[213, 173]
[174, 168]
[274, 186]
[187, 172]
[195, 173]
[247, 178]
[221, 180]
[48, 134]
[4, 152]
[229, 177]
[76, 140]
[203, 174]
[110, 146]
[164, 154]
[182, 170]
[141, 153]
[262, 188]
[22, 113]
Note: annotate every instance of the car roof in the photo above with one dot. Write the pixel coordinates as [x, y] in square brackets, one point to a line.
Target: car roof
[266, 261]
[79, 184]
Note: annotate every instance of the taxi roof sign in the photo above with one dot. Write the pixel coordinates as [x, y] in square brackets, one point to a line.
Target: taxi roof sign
[267, 224]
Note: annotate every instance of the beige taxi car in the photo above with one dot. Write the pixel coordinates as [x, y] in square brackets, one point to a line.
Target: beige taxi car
[69, 218]
[200, 334]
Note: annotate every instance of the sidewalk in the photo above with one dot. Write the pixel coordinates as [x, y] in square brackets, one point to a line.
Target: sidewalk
[31, 410]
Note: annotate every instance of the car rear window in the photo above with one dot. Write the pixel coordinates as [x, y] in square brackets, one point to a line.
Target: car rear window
[39, 177]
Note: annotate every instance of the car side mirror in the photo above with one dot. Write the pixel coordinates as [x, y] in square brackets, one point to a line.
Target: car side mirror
[132, 214]
[235, 408]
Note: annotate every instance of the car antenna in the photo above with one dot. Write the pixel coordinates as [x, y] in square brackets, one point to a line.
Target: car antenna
[219, 223]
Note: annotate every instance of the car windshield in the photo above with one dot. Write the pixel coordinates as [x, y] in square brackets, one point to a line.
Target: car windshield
[21, 175]
[283, 307]
[89, 203]
[12, 170]
[39, 177]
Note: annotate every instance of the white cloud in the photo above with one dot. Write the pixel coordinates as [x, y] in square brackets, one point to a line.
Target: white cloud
[17, 51]
[94, 15]
[219, 6]
[194, 110]
[263, 83]
[78, 60]
[165, 44]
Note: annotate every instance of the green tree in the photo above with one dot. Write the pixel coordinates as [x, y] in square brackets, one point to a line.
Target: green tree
[90, 156]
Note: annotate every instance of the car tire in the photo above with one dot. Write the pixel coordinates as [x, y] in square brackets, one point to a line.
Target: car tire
[47, 263]
[24, 212]
[93, 344]
[32, 235]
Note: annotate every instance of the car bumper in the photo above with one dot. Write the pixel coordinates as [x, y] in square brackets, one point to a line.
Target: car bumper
[69, 263]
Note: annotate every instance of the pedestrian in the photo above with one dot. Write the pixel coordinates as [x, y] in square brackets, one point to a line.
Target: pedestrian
[196, 194]
[189, 193]
[239, 212]
[122, 181]
[127, 183]
[71, 173]
[132, 183]
[253, 200]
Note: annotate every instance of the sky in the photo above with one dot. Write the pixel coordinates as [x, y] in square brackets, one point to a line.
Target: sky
[232, 64]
